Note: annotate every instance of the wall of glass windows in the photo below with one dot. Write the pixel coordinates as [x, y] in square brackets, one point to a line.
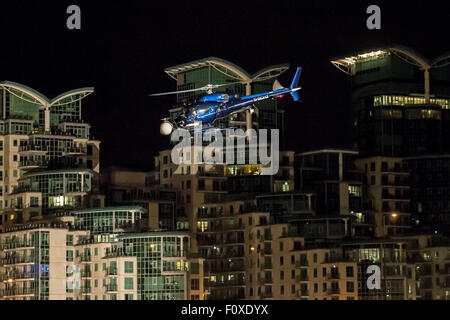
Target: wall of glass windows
[59, 188]
[396, 100]
[107, 220]
[161, 264]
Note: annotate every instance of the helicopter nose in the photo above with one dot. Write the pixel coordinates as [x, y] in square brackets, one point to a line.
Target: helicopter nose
[166, 128]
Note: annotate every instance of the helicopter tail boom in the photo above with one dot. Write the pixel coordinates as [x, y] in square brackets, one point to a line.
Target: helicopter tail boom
[294, 85]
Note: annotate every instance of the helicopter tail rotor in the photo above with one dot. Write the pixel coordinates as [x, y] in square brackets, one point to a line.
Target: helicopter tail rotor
[294, 85]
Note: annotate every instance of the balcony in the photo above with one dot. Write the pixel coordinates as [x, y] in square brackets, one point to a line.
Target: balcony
[398, 183]
[302, 277]
[302, 293]
[33, 149]
[17, 277]
[229, 283]
[267, 295]
[334, 291]
[85, 258]
[111, 288]
[32, 164]
[395, 170]
[301, 263]
[17, 245]
[16, 260]
[86, 290]
[333, 276]
[265, 281]
[74, 151]
[267, 251]
[266, 266]
[266, 237]
[111, 271]
[86, 274]
[17, 292]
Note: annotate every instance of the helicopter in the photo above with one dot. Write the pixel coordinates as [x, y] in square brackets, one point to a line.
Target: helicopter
[214, 106]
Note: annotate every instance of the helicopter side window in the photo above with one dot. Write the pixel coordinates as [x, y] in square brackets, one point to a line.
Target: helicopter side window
[203, 110]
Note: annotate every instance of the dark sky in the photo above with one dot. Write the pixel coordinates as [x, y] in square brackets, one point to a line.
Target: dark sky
[123, 47]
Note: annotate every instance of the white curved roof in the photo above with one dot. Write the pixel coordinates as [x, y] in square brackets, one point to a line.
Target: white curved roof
[410, 56]
[441, 61]
[346, 63]
[229, 69]
[30, 95]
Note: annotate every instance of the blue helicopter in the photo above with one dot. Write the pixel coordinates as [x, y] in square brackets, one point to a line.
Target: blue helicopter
[214, 106]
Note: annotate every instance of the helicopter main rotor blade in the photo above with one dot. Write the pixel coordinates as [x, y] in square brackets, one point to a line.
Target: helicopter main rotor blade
[204, 88]
[175, 92]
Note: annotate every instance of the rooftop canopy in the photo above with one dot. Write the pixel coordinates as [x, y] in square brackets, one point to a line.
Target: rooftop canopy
[32, 96]
[441, 61]
[229, 69]
[346, 63]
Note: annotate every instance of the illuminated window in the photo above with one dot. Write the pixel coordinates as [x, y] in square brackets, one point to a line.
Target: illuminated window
[354, 191]
[202, 225]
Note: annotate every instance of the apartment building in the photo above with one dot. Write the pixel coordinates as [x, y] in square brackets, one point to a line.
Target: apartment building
[38, 136]
[387, 191]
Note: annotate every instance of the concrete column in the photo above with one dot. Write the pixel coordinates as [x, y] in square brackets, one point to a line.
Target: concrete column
[248, 89]
[248, 118]
[47, 119]
[427, 85]
[4, 104]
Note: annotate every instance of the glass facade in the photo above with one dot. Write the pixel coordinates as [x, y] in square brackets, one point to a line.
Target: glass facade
[59, 188]
[107, 220]
[27, 265]
[161, 264]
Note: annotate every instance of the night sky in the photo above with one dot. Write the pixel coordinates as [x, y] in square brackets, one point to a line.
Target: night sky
[123, 47]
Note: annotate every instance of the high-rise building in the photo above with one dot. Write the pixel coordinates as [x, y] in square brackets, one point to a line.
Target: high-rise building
[430, 192]
[400, 101]
[386, 194]
[48, 160]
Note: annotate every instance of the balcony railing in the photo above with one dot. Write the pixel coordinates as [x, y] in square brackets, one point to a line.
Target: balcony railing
[33, 147]
[17, 260]
[302, 277]
[302, 293]
[267, 295]
[17, 292]
[86, 290]
[85, 258]
[332, 276]
[16, 245]
[33, 163]
[86, 274]
[235, 282]
[111, 287]
[17, 276]
[301, 263]
[266, 265]
[334, 291]
[111, 271]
